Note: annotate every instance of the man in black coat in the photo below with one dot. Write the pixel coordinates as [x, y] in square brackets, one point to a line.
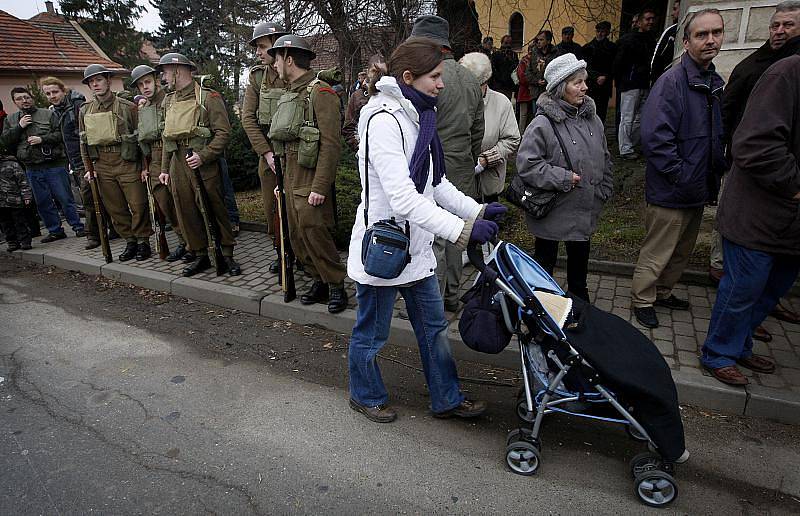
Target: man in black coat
[599, 55]
[568, 45]
[759, 222]
[784, 41]
[632, 75]
[504, 63]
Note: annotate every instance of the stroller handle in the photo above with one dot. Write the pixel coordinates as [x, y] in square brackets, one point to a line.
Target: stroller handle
[475, 255]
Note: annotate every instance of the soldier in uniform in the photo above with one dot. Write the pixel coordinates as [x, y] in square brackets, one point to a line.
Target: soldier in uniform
[206, 133]
[310, 166]
[151, 119]
[264, 87]
[108, 127]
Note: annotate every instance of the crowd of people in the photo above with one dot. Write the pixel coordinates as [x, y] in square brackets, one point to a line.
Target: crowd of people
[433, 138]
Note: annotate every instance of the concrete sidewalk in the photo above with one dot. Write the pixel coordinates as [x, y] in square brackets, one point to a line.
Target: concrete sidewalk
[256, 291]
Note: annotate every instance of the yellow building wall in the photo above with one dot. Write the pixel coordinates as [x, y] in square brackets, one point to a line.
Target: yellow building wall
[494, 16]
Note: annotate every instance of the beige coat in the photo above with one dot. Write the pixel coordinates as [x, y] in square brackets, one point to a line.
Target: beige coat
[500, 141]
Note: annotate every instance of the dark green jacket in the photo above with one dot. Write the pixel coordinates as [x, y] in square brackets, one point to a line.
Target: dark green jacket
[50, 153]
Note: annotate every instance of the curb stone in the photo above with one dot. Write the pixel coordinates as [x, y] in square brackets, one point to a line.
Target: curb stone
[694, 388]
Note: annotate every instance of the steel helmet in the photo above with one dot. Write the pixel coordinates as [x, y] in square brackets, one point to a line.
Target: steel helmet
[175, 58]
[266, 29]
[140, 71]
[94, 69]
[291, 41]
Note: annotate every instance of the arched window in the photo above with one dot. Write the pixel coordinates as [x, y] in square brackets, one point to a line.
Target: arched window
[516, 27]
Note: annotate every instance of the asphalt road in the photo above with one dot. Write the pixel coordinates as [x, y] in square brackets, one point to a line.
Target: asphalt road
[119, 400]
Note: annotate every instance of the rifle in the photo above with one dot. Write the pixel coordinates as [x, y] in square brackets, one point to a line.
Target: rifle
[210, 222]
[98, 210]
[285, 246]
[157, 220]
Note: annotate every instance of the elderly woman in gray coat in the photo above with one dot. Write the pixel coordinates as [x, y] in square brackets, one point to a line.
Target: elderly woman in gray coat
[584, 188]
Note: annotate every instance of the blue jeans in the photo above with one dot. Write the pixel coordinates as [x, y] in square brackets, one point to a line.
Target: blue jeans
[371, 331]
[227, 191]
[753, 283]
[49, 183]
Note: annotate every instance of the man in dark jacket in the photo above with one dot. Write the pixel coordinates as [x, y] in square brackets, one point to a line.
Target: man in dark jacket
[534, 73]
[35, 136]
[682, 140]
[665, 48]
[599, 55]
[784, 41]
[66, 106]
[759, 223]
[632, 75]
[567, 45]
[460, 124]
[504, 63]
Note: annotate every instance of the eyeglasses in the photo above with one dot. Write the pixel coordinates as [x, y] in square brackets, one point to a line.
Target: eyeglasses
[22, 97]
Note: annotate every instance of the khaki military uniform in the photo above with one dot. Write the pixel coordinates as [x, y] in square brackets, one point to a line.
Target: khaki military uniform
[262, 77]
[153, 150]
[123, 194]
[214, 118]
[310, 227]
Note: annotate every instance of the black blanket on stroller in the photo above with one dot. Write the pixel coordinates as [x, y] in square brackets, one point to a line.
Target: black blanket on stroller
[631, 365]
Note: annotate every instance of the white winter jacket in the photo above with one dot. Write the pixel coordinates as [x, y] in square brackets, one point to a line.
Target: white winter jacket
[436, 212]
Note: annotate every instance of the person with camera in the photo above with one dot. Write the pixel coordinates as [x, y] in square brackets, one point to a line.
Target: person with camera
[402, 169]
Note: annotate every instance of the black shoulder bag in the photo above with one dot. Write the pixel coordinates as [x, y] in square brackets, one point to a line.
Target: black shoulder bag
[536, 201]
[385, 248]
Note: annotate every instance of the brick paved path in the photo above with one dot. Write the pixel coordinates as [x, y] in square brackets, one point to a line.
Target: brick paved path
[680, 336]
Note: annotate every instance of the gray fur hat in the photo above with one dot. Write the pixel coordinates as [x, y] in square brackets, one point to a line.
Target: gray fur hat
[560, 68]
[433, 27]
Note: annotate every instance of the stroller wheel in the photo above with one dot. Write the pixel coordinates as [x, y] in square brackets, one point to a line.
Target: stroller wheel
[522, 457]
[523, 413]
[635, 435]
[655, 488]
[644, 462]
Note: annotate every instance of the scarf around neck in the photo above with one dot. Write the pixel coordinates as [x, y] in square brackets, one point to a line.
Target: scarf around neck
[428, 142]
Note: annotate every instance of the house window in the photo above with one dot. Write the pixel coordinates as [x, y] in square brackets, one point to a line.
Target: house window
[516, 27]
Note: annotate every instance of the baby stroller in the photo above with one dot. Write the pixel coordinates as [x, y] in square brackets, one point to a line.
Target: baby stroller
[579, 361]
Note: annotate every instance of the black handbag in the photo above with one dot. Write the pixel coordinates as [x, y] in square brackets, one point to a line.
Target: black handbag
[536, 202]
[385, 248]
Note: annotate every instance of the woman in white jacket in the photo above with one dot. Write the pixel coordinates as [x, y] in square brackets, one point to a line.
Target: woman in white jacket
[406, 182]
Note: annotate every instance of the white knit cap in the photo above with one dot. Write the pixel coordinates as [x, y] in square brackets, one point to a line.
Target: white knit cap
[560, 68]
[479, 64]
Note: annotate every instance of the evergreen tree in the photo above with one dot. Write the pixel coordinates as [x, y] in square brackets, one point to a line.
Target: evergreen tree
[110, 24]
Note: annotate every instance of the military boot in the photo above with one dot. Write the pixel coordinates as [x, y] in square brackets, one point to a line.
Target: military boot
[129, 253]
[188, 257]
[143, 251]
[338, 300]
[318, 293]
[234, 269]
[177, 253]
[275, 267]
[198, 266]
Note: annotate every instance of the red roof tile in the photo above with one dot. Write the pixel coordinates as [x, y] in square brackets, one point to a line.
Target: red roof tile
[26, 47]
[61, 27]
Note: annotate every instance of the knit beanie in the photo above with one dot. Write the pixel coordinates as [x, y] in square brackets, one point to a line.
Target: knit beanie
[479, 64]
[433, 27]
[560, 68]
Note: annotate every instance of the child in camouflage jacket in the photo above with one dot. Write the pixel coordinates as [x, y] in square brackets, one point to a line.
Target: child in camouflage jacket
[15, 195]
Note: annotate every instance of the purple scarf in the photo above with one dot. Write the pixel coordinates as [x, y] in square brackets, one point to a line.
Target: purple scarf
[428, 142]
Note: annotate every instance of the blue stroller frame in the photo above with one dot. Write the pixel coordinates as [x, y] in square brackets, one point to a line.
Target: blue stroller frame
[517, 277]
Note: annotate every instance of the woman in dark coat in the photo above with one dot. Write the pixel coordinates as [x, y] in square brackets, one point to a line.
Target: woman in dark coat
[541, 164]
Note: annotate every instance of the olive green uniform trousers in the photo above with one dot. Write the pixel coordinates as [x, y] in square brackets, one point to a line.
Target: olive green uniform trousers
[124, 196]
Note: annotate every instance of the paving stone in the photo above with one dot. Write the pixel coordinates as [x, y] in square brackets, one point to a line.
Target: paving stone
[699, 302]
[681, 328]
[604, 293]
[688, 358]
[780, 342]
[604, 304]
[786, 358]
[771, 380]
[666, 347]
[792, 376]
[663, 332]
[685, 343]
[761, 348]
[682, 316]
[700, 324]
